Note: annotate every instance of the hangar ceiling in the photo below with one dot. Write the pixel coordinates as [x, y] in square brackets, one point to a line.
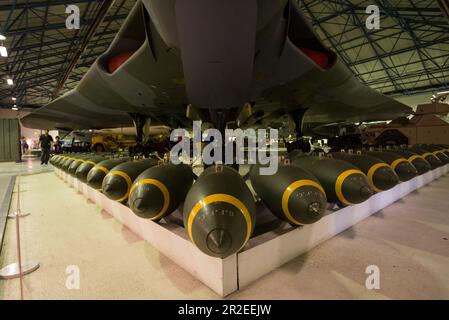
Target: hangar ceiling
[408, 54]
[44, 56]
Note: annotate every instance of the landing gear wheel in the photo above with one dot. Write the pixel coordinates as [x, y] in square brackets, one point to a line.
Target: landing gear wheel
[99, 148]
[300, 143]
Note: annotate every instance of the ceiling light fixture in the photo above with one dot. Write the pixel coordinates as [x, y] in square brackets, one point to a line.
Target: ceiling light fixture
[2, 37]
[3, 51]
[9, 81]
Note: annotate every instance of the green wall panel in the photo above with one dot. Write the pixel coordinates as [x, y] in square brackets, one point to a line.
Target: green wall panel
[9, 140]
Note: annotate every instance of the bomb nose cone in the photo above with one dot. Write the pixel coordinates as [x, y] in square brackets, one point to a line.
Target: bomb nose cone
[356, 189]
[219, 241]
[219, 212]
[95, 179]
[305, 205]
[108, 188]
[140, 204]
[78, 174]
[145, 207]
[444, 159]
[385, 179]
[393, 179]
[81, 174]
[147, 201]
[315, 208]
[422, 166]
[365, 192]
[219, 229]
[73, 167]
[406, 171]
[434, 162]
[115, 187]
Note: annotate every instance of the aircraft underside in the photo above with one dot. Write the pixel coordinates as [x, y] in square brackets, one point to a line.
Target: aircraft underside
[175, 61]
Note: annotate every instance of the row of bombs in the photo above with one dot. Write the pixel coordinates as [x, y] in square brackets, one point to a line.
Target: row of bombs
[219, 210]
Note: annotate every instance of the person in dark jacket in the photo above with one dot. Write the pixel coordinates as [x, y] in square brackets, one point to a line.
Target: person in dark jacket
[57, 145]
[25, 146]
[45, 141]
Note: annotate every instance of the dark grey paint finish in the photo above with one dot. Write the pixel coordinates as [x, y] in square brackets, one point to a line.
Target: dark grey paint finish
[215, 54]
[219, 75]
[147, 200]
[306, 203]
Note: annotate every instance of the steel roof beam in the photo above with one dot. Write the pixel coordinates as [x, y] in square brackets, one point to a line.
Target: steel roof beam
[400, 51]
[57, 26]
[54, 42]
[7, 7]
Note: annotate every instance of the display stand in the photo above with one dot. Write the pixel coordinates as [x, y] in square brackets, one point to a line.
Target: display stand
[263, 253]
[20, 268]
[12, 271]
[16, 215]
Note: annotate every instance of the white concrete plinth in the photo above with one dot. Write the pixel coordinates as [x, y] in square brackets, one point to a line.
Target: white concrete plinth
[264, 256]
[263, 253]
[218, 274]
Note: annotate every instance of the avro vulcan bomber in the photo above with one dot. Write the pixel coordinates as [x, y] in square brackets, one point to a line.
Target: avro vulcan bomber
[248, 63]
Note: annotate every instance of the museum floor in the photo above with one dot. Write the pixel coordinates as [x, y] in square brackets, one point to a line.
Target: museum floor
[408, 241]
[26, 167]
